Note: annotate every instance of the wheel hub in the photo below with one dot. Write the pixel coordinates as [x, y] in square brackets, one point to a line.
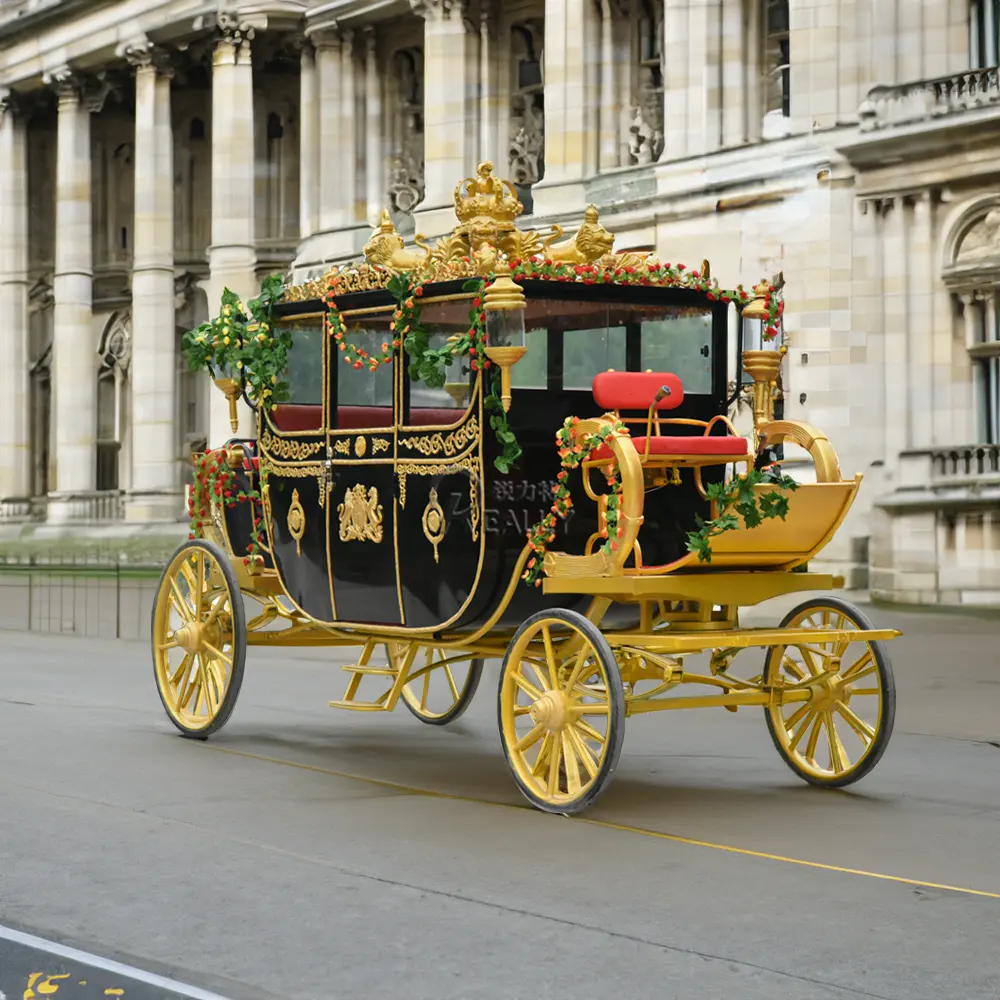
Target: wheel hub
[551, 711]
[189, 637]
[830, 690]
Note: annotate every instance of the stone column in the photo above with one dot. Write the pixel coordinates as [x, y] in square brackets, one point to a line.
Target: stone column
[447, 144]
[332, 211]
[309, 141]
[704, 61]
[895, 324]
[232, 256]
[921, 267]
[734, 75]
[74, 354]
[15, 474]
[489, 98]
[374, 162]
[610, 110]
[154, 491]
[566, 115]
[350, 193]
[675, 72]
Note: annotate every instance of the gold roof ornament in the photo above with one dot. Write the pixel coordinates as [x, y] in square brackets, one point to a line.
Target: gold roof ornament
[487, 209]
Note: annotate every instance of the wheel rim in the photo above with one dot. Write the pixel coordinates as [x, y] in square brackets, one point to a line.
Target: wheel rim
[832, 734]
[439, 682]
[556, 712]
[193, 641]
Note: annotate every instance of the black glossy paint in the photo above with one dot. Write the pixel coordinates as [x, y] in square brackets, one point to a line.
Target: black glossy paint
[365, 575]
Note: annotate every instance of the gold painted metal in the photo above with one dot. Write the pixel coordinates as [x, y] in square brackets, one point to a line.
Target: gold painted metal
[763, 367]
[283, 448]
[342, 446]
[808, 437]
[433, 523]
[437, 443]
[194, 645]
[505, 358]
[360, 515]
[468, 464]
[555, 712]
[360, 446]
[379, 445]
[296, 521]
[231, 389]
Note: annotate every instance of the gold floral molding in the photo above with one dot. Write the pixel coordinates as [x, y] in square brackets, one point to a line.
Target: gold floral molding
[296, 521]
[450, 444]
[282, 448]
[433, 523]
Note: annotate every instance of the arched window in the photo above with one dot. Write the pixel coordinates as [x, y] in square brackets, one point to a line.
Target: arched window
[776, 63]
[984, 29]
[112, 399]
[197, 129]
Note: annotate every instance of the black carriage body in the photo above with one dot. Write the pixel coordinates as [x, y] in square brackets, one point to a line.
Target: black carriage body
[407, 522]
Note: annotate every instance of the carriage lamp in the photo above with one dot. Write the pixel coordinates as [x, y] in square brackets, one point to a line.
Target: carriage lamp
[761, 359]
[459, 391]
[505, 304]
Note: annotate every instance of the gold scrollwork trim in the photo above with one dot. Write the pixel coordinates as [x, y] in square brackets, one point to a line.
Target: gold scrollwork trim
[379, 445]
[468, 464]
[342, 447]
[450, 444]
[307, 471]
[433, 523]
[282, 448]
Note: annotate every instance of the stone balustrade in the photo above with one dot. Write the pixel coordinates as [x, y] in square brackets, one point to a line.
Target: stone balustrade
[966, 466]
[922, 100]
[99, 506]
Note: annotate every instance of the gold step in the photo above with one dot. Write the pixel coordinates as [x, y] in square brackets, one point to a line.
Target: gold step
[358, 706]
[357, 668]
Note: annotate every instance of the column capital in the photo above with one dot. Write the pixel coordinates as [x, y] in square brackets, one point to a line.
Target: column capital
[11, 103]
[232, 30]
[439, 10]
[370, 37]
[66, 82]
[327, 37]
[143, 54]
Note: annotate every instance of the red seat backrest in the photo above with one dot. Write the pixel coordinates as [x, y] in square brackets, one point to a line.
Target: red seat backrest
[636, 390]
[290, 417]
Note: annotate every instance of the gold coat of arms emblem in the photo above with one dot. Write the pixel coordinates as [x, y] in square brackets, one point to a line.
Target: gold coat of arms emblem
[360, 515]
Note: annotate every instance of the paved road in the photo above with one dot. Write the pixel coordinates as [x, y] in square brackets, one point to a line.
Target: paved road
[306, 853]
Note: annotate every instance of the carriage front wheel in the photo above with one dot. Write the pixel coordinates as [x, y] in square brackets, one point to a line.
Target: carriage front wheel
[561, 708]
[199, 639]
[839, 734]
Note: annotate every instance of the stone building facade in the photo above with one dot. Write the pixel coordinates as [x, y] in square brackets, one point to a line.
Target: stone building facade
[154, 151]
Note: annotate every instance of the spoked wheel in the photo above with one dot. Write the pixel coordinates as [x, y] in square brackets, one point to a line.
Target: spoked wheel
[442, 685]
[199, 639]
[839, 734]
[561, 709]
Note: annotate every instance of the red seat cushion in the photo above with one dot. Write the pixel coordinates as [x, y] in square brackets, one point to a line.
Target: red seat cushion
[722, 447]
[251, 464]
[636, 390]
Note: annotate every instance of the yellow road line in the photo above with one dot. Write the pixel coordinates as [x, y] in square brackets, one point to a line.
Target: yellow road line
[606, 824]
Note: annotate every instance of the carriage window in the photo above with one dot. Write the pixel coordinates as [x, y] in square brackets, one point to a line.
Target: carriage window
[364, 397]
[586, 353]
[305, 361]
[678, 339]
[531, 372]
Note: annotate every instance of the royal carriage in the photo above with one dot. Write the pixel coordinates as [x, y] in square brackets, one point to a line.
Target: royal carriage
[405, 496]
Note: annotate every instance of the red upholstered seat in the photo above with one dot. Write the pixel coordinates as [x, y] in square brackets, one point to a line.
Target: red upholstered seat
[251, 464]
[291, 417]
[727, 447]
[637, 390]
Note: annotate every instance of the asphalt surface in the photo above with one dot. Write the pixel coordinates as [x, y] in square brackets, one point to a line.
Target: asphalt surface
[309, 853]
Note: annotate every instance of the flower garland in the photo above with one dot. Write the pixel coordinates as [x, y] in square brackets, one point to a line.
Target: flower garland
[215, 482]
[655, 275]
[355, 356]
[572, 452]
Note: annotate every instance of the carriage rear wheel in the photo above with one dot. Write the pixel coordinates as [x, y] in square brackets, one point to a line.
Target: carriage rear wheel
[199, 639]
[442, 685]
[561, 708]
[839, 734]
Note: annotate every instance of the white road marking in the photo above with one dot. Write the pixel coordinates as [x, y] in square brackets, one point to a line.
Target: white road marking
[106, 964]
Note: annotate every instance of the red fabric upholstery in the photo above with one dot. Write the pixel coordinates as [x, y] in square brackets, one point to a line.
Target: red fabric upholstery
[723, 447]
[251, 464]
[636, 390]
[290, 417]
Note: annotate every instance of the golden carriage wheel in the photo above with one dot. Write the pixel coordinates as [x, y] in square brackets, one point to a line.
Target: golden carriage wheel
[442, 685]
[561, 708]
[839, 734]
[199, 639]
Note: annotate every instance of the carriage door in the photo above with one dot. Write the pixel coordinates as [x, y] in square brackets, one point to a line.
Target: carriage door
[362, 506]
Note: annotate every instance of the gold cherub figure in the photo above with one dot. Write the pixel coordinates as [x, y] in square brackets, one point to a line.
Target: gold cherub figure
[386, 248]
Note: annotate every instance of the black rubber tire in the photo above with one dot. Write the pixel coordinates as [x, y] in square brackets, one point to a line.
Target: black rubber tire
[239, 640]
[465, 696]
[616, 713]
[883, 668]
